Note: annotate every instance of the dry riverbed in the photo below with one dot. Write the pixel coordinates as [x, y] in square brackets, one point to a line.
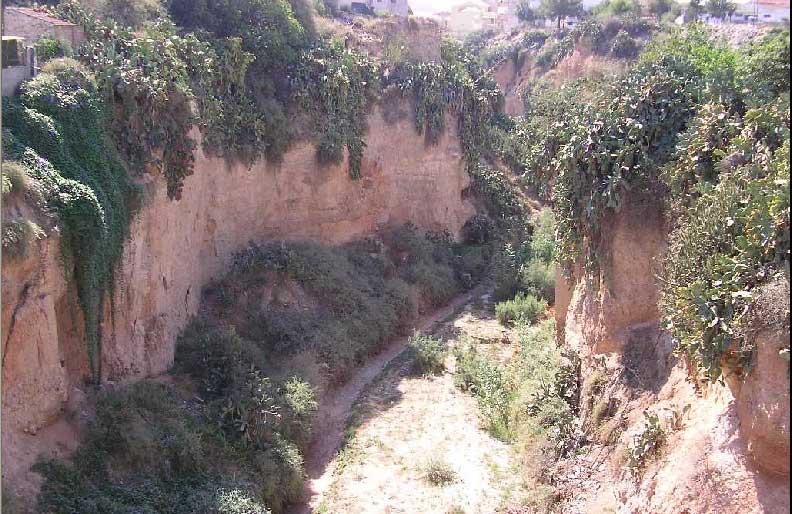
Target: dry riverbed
[415, 444]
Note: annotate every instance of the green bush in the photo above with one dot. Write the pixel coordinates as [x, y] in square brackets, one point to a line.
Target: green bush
[247, 404]
[524, 307]
[542, 245]
[238, 502]
[632, 24]
[589, 34]
[173, 458]
[48, 49]
[299, 410]
[624, 45]
[429, 354]
[537, 278]
[488, 383]
[128, 13]
[279, 472]
[216, 358]
[765, 70]
[553, 52]
[478, 230]
[529, 267]
[507, 264]
[158, 451]
[431, 263]
[645, 444]
[613, 8]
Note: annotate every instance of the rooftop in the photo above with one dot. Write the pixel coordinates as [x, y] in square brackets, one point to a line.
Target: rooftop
[39, 14]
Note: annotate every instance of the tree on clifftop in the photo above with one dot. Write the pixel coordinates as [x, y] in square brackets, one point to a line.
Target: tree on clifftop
[660, 7]
[721, 9]
[694, 10]
[560, 9]
[526, 13]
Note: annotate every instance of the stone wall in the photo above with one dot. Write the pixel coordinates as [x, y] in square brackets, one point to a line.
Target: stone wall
[13, 76]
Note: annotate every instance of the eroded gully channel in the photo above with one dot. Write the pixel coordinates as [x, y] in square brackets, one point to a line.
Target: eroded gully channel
[335, 409]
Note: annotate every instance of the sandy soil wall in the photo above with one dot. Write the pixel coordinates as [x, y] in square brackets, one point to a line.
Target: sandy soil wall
[177, 247]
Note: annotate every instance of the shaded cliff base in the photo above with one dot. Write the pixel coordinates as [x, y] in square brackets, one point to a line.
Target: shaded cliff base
[704, 460]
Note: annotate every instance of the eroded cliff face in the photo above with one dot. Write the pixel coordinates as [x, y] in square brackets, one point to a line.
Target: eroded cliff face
[725, 448]
[177, 247]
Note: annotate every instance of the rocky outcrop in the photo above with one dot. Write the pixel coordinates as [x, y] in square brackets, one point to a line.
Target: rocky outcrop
[176, 247]
[762, 396]
[725, 448]
[512, 77]
[599, 315]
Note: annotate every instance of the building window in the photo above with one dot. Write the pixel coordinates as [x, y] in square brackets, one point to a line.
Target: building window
[12, 55]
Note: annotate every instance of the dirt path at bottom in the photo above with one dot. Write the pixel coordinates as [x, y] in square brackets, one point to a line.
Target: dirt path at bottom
[407, 424]
[334, 412]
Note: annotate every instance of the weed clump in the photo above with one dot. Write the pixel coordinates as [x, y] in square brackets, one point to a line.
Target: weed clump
[645, 444]
[17, 237]
[490, 385]
[430, 354]
[237, 502]
[533, 399]
[439, 472]
[524, 307]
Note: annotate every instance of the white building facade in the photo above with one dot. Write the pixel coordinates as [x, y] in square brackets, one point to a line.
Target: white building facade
[474, 15]
[748, 11]
[763, 11]
[394, 7]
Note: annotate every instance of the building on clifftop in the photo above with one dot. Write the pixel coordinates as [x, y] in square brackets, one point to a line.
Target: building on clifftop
[33, 24]
[394, 7]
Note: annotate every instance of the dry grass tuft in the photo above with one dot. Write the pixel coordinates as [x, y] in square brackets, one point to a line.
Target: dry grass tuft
[438, 472]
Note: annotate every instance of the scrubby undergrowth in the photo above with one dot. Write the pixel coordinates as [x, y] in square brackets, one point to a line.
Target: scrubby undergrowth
[702, 127]
[288, 321]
